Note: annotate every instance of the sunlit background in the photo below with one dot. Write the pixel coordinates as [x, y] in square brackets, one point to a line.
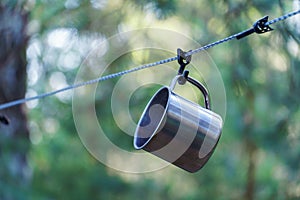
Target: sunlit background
[258, 154]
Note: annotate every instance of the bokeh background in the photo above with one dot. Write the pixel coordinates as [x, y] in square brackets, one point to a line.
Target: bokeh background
[42, 46]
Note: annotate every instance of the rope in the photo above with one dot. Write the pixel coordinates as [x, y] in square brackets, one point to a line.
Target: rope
[89, 82]
[284, 17]
[149, 65]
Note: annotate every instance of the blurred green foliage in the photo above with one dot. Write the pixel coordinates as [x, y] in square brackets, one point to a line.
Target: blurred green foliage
[258, 154]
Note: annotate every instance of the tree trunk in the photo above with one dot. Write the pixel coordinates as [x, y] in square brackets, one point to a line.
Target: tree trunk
[250, 147]
[250, 186]
[14, 133]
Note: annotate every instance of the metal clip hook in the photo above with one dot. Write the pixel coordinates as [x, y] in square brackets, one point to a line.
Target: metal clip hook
[259, 27]
[182, 79]
[180, 58]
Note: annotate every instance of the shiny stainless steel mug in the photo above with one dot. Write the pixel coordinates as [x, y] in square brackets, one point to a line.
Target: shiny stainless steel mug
[178, 130]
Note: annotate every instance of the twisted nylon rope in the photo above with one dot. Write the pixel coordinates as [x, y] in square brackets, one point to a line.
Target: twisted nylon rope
[110, 76]
[89, 82]
[284, 17]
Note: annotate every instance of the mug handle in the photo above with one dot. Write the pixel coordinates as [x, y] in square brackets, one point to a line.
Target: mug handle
[195, 83]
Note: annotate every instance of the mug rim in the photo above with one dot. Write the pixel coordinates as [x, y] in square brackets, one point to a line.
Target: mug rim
[148, 139]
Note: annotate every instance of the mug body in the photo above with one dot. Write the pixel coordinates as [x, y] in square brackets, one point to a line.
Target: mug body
[178, 130]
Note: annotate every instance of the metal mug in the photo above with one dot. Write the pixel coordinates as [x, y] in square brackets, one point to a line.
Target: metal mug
[178, 130]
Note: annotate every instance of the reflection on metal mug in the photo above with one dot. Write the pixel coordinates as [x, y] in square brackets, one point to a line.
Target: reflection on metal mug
[178, 130]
